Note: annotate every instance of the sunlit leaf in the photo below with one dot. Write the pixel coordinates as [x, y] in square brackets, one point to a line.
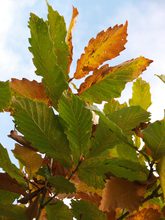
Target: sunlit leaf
[129, 118]
[57, 30]
[61, 184]
[108, 82]
[58, 211]
[120, 193]
[29, 89]
[42, 128]
[141, 94]
[45, 56]
[69, 35]
[28, 157]
[9, 167]
[107, 45]
[154, 137]
[5, 95]
[112, 106]
[78, 121]
[83, 210]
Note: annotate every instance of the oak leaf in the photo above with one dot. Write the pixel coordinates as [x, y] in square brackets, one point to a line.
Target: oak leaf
[107, 45]
[145, 214]
[69, 35]
[30, 89]
[120, 193]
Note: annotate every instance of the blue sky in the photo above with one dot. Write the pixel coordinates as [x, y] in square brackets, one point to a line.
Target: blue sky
[146, 33]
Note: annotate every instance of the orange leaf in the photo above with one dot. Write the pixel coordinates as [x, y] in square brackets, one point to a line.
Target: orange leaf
[120, 193]
[30, 89]
[145, 214]
[69, 35]
[107, 45]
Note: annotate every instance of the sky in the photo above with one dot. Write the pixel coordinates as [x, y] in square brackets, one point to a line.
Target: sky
[146, 36]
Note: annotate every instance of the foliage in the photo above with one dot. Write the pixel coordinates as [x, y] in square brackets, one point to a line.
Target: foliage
[112, 168]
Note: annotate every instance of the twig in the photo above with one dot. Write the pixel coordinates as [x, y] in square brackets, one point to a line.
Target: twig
[41, 203]
[71, 175]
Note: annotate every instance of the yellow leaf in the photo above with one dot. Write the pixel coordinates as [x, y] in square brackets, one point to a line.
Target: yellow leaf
[120, 193]
[30, 89]
[29, 158]
[145, 214]
[69, 35]
[107, 45]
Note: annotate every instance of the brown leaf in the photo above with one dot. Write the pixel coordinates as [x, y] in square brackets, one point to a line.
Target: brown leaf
[69, 35]
[30, 89]
[107, 45]
[120, 193]
[32, 210]
[119, 72]
[11, 185]
[145, 214]
[91, 197]
[28, 157]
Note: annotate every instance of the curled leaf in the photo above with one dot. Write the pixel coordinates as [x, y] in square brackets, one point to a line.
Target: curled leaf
[69, 35]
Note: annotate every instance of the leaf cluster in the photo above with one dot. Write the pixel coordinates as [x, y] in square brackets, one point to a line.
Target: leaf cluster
[109, 163]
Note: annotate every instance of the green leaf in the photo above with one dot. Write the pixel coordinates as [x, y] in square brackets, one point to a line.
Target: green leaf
[129, 118]
[7, 197]
[141, 94]
[5, 95]
[78, 121]
[57, 31]
[58, 211]
[12, 212]
[103, 139]
[162, 77]
[112, 106]
[11, 169]
[42, 128]
[95, 168]
[161, 171]
[61, 184]
[112, 83]
[84, 210]
[154, 137]
[126, 152]
[45, 58]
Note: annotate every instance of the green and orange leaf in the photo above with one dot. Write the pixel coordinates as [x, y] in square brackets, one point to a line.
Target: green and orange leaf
[107, 45]
[30, 89]
[108, 82]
